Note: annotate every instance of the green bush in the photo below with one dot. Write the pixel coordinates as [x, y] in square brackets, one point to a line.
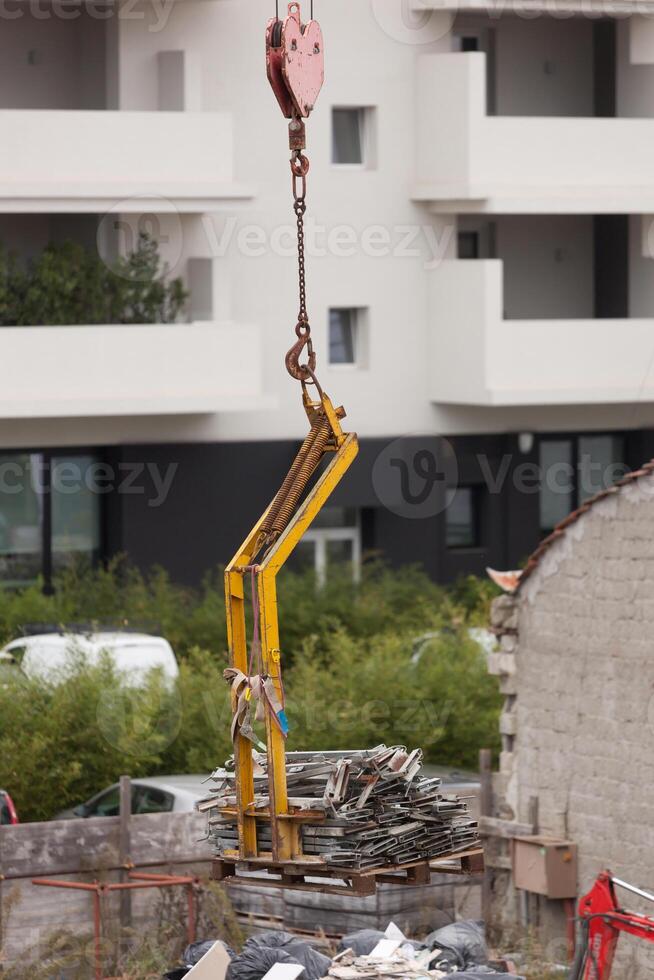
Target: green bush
[357, 692]
[69, 284]
[405, 602]
[350, 679]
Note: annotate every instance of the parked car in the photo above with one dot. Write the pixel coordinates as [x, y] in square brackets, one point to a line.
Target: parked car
[8, 813]
[150, 794]
[46, 655]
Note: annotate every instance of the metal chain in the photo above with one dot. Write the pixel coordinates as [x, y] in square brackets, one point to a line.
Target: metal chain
[300, 207]
[299, 170]
[302, 372]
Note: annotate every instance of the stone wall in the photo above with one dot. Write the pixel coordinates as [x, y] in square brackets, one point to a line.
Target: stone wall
[576, 665]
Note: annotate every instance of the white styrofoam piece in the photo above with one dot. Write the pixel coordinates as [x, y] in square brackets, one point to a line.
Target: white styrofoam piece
[284, 971]
[213, 965]
[386, 947]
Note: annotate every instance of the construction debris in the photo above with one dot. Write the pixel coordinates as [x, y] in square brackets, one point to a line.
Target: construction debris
[347, 966]
[373, 808]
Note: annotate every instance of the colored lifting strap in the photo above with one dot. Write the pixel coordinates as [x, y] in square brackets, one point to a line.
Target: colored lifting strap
[261, 690]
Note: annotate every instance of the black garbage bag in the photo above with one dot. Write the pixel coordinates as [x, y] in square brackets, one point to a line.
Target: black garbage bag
[193, 954]
[463, 945]
[482, 972]
[315, 964]
[254, 962]
[195, 951]
[361, 942]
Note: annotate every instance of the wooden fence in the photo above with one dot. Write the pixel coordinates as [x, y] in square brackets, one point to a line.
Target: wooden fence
[102, 847]
[86, 850]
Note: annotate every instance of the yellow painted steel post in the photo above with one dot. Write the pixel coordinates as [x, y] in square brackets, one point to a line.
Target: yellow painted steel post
[285, 833]
[238, 657]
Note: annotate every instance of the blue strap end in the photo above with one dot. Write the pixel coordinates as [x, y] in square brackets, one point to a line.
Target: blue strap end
[283, 721]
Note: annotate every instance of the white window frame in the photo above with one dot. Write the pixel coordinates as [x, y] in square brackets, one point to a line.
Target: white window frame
[320, 537]
[368, 135]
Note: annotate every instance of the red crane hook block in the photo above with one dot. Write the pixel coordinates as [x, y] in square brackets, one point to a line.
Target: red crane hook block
[295, 62]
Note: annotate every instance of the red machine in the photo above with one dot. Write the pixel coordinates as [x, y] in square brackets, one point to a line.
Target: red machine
[8, 813]
[601, 920]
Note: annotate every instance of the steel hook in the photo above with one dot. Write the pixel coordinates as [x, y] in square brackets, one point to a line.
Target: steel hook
[301, 372]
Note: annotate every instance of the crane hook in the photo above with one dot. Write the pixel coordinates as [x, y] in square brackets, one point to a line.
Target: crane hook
[301, 372]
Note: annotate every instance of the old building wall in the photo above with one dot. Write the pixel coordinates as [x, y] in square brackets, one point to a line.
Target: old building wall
[578, 674]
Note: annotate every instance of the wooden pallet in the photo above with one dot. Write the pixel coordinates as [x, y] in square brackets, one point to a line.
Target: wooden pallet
[301, 875]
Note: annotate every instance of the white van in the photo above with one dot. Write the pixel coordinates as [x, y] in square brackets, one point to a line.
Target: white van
[49, 655]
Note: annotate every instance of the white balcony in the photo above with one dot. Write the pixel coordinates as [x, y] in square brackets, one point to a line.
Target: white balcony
[136, 370]
[526, 7]
[77, 161]
[478, 358]
[468, 161]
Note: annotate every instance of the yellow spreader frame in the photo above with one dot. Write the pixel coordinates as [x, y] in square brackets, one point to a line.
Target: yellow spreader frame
[285, 824]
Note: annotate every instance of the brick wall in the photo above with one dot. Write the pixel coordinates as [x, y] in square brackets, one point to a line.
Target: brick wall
[578, 675]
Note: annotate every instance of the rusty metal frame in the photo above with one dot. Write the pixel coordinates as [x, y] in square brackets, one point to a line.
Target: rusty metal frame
[137, 880]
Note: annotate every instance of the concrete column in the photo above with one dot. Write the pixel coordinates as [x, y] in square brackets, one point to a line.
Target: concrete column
[641, 40]
[179, 82]
[209, 288]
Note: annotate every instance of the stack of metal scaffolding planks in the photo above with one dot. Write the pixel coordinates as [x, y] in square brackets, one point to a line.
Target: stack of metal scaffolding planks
[365, 809]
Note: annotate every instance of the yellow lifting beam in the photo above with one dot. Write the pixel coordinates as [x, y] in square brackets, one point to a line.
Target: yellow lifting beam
[286, 839]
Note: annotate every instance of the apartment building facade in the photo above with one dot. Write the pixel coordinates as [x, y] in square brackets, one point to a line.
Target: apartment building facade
[479, 248]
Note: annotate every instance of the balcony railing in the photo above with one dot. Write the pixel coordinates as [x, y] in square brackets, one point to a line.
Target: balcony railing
[469, 161]
[478, 358]
[78, 161]
[117, 370]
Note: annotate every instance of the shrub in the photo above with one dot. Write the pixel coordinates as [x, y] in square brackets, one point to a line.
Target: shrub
[350, 679]
[68, 284]
[358, 692]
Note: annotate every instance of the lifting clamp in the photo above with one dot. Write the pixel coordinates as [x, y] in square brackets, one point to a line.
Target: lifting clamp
[294, 62]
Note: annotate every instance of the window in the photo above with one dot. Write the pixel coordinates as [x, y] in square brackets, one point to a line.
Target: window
[462, 517]
[574, 468]
[50, 514]
[106, 805]
[468, 245]
[75, 511]
[556, 482]
[332, 541]
[352, 137]
[601, 463]
[346, 336]
[151, 800]
[21, 519]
